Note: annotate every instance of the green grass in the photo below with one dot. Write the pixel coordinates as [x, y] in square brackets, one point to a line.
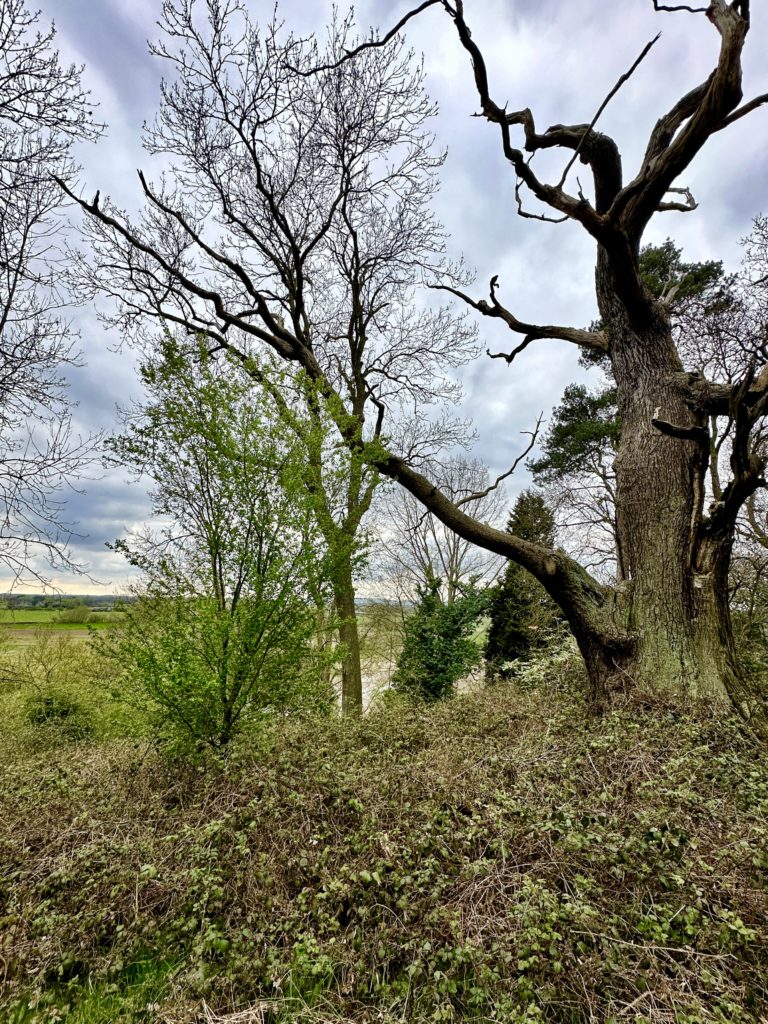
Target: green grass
[503, 857]
[27, 616]
[128, 997]
[55, 690]
[10, 628]
[35, 617]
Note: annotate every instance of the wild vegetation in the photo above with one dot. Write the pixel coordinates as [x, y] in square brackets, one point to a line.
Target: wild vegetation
[555, 806]
[499, 857]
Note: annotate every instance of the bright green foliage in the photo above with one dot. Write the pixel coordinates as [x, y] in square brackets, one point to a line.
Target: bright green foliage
[210, 670]
[225, 630]
[439, 645]
[54, 690]
[521, 613]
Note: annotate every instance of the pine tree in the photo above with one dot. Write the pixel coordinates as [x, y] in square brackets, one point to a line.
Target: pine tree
[520, 610]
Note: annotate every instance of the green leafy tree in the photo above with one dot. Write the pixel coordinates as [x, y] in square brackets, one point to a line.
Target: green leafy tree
[520, 610]
[224, 632]
[439, 646]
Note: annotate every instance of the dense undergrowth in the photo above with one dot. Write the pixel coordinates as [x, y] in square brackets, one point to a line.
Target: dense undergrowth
[501, 857]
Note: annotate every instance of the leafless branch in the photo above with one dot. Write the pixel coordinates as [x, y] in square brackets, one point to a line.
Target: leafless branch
[550, 195]
[747, 108]
[682, 433]
[680, 134]
[43, 111]
[533, 434]
[510, 356]
[534, 216]
[533, 332]
[721, 399]
[686, 207]
[625, 77]
[678, 7]
[370, 43]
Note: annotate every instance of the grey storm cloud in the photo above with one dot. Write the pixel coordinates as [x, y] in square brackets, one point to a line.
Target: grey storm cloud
[558, 57]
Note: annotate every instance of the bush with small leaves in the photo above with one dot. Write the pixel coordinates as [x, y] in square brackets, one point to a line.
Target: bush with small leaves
[51, 708]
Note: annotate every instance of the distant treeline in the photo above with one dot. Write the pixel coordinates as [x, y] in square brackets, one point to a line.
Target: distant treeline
[96, 602]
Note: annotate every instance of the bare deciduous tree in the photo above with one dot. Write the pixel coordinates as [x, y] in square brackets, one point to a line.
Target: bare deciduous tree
[421, 551]
[297, 218]
[667, 626]
[43, 110]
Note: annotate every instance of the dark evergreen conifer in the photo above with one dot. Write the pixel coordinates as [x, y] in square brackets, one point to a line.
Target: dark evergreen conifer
[519, 608]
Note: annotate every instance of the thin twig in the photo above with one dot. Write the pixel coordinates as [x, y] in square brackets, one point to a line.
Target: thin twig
[604, 104]
[534, 216]
[753, 104]
[533, 434]
[678, 7]
[371, 43]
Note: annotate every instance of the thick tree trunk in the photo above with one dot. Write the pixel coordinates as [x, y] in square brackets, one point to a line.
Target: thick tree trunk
[351, 670]
[674, 596]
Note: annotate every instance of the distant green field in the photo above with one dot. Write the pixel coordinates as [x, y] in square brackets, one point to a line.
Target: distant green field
[49, 618]
[27, 616]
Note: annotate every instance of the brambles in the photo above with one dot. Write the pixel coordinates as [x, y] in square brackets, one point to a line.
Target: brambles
[498, 857]
[60, 711]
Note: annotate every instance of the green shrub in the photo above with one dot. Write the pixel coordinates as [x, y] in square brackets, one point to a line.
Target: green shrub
[79, 615]
[51, 708]
[226, 630]
[203, 673]
[556, 664]
[439, 645]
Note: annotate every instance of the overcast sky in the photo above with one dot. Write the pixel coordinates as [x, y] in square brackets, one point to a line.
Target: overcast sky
[558, 57]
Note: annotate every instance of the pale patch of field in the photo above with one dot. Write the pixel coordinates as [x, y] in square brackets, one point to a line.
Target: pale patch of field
[26, 636]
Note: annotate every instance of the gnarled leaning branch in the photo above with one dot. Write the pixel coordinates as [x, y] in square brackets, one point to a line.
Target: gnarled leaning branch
[595, 340]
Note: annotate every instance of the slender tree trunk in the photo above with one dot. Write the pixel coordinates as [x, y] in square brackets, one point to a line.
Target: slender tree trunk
[351, 671]
[323, 627]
